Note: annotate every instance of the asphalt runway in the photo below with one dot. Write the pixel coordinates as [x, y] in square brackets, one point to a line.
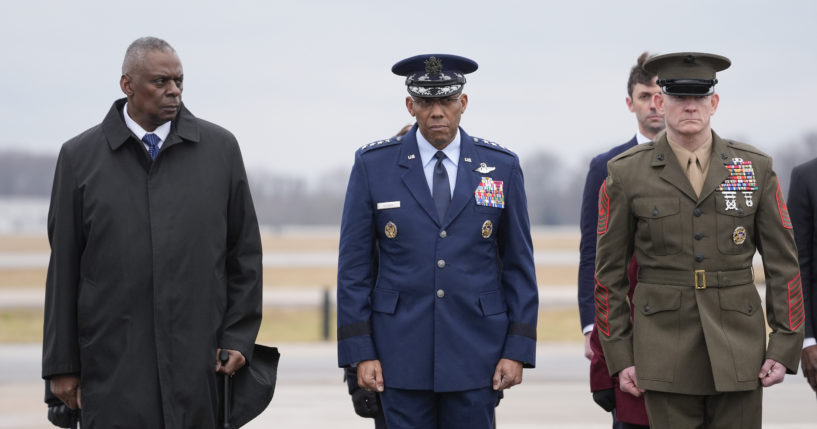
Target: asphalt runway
[310, 393]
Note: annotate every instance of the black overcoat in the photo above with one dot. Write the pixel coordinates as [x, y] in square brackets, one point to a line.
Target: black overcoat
[154, 265]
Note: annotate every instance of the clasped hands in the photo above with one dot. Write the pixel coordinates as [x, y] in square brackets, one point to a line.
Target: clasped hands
[508, 373]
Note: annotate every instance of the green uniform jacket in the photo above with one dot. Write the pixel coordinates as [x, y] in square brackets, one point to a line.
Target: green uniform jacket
[684, 339]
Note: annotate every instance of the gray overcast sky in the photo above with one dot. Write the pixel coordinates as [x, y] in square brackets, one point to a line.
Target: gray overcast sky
[307, 82]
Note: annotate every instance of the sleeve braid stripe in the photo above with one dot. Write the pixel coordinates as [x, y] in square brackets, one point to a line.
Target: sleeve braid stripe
[796, 310]
[781, 207]
[604, 209]
[602, 307]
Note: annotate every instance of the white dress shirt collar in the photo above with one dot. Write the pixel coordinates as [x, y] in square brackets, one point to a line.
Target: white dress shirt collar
[641, 138]
[161, 131]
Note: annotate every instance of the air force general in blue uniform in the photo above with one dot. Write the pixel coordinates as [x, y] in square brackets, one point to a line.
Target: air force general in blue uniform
[437, 296]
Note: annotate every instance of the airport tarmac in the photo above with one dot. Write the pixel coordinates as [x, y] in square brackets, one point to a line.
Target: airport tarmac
[310, 393]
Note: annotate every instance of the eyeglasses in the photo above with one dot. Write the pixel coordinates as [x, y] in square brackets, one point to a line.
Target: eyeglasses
[427, 103]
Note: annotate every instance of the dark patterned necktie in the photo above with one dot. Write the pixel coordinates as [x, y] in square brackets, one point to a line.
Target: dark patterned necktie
[441, 188]
[152, 140]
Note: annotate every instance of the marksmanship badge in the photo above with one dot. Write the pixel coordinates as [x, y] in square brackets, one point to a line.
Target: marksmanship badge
[489, 193]
[730, 200]
[391, 229]
[487, 229]
[739, 236]
[741, 179]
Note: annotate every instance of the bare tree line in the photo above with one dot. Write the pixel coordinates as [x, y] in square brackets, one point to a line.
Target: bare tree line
[553, 188]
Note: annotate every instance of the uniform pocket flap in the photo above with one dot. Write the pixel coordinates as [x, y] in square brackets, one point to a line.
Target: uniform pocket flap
[491, 303]
[659, 299]
[384, 300]
[741, 299]
[654, 208]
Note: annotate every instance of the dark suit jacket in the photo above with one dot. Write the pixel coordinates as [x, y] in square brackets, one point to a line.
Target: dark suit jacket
[451, 296]
[589, 219]
[629, 409]
[802, 206]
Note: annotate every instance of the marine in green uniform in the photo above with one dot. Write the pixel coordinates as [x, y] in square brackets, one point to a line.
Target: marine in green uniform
[694, 208]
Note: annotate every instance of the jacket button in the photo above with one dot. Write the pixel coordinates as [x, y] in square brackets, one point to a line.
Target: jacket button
[740, 210]
[699, 235]
[699, 258]
[646, 308]
[440, 293]
[697, 212]
[750, 308]
[443, 234]
[441, 263]
[655, 212]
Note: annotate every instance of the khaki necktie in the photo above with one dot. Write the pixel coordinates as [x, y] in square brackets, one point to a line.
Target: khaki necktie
[695, 174]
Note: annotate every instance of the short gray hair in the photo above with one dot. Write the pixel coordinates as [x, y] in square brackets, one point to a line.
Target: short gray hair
[139, 48]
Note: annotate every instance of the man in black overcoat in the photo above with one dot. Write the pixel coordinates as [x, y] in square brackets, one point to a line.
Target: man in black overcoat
[155, 258]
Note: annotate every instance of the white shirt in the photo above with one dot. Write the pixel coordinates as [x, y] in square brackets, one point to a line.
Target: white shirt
[452, 153]
[161, 131]
[641, 138]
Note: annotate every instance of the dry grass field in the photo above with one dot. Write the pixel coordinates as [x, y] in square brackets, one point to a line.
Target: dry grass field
[282, 323]
[286, 276]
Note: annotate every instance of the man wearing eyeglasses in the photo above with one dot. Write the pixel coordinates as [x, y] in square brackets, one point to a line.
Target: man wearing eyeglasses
[437, 296]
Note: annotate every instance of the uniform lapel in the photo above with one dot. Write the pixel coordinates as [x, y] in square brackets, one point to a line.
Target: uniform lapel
[467, 180]
[717, 167]
[414, 178]
[671, 172]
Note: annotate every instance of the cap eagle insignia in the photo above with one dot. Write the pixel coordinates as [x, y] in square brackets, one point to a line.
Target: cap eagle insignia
[434, 65]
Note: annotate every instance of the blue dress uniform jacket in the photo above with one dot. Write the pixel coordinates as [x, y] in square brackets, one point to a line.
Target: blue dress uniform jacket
[588, 222]
[438, 302]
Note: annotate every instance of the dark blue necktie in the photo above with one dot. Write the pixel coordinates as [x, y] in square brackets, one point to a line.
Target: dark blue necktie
[441, 188]
[152, 140]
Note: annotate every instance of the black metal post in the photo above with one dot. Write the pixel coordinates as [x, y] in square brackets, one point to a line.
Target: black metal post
[326, 313]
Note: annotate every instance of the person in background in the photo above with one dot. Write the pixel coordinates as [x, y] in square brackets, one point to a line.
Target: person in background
[802, 208]
[627, 411]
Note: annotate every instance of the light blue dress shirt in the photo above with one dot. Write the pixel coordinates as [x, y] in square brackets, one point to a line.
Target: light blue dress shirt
[452, 153]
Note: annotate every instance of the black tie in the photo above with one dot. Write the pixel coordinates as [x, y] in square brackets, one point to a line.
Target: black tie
[441, 188]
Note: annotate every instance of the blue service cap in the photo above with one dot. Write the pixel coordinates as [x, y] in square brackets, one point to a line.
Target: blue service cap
[434, 75]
